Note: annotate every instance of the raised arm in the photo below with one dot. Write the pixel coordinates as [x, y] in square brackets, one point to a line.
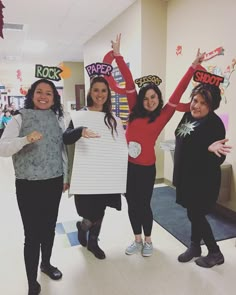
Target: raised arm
[184, 82]
[129, 89]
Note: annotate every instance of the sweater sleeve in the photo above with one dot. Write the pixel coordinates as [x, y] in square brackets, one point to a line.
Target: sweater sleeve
[183, 107]
[181, 87]
[10, 142]
[131, 92]
[71, 135]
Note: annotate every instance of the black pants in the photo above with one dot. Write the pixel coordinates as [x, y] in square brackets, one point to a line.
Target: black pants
[38, 202]
[201, 229]
[140, 184]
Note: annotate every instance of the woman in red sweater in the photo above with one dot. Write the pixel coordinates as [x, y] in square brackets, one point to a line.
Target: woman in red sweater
[147, 118]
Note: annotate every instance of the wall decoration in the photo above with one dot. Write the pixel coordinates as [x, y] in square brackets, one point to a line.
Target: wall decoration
[19, 75]
[179, 49]
[119, 101]
[66, 71]
[214, 53]
[225, 120]
[1, 18]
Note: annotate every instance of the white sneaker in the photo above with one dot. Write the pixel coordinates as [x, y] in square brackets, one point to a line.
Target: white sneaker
[147, 249]
[134, 248]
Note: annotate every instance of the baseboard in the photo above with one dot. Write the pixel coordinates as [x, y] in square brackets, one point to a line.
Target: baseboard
[165, 181]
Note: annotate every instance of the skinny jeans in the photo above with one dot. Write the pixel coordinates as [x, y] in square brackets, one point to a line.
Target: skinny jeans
[38, 202]
[139, 191]
[201, 229]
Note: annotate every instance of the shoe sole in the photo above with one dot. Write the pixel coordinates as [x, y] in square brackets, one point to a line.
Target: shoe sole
[146, 255]
[184, 261]
[210, 266]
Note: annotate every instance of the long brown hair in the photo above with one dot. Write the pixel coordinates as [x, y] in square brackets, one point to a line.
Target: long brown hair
[109, 119]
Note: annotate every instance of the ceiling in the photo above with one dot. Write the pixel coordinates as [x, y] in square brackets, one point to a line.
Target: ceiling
[53, 30]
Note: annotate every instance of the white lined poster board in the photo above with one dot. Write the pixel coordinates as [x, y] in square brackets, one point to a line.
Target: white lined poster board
[100, 164]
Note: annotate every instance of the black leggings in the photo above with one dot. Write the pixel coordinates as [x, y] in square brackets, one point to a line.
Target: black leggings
[140, 184]
[38, 202]
[201, 229]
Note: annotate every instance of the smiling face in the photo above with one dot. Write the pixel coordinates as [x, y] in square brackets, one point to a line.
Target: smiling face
[99, 95]
[198, 107]
[43, 97]
[150, 101]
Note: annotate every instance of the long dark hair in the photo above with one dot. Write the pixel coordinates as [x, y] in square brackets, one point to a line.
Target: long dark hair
[138, 111]
[109, 119]
[56, 107]
[210, 93]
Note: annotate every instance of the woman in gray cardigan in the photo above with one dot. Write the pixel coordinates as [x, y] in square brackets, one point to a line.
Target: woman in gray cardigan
[34, 140]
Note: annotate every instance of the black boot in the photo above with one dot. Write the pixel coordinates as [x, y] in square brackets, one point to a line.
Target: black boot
[210, 260]
[93, 240]
[34, 288]
[53, 272]
[83, 228]
[193, 251]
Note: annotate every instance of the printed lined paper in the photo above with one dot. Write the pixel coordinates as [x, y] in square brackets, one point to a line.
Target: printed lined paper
[100, 164]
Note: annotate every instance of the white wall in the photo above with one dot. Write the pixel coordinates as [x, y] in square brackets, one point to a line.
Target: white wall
[129, 25]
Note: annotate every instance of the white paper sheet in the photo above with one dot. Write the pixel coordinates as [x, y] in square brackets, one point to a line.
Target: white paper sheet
[100, 164]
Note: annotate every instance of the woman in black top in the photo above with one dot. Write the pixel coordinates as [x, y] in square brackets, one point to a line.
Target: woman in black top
[199, 153]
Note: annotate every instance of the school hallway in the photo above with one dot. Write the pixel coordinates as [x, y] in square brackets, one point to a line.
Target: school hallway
[118, 274]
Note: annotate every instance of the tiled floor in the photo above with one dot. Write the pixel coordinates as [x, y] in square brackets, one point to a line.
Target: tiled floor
[118, 274]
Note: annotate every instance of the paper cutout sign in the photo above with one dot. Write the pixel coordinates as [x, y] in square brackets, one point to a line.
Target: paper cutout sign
[148, 79]
[213, 53]
[207, 78]
[99, 69]
[45, 72]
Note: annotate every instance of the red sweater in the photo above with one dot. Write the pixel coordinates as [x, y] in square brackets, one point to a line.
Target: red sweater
[139, 130]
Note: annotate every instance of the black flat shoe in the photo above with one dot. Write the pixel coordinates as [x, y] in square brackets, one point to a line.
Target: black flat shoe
[34, 289]
[53, 272]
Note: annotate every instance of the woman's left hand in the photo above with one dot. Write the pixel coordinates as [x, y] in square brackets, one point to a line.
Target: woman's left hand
[65, 187]
[219, 148]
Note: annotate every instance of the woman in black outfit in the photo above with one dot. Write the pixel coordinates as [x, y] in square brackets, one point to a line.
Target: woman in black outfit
[199, 153]
[92, 207]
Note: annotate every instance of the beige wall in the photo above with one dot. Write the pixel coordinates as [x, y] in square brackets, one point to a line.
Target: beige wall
[77, 77]
[206, 25]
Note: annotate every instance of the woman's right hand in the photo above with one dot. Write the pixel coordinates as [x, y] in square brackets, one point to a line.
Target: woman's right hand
[116, 45]
[88, 133]
[34, 136]
[199, 58]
